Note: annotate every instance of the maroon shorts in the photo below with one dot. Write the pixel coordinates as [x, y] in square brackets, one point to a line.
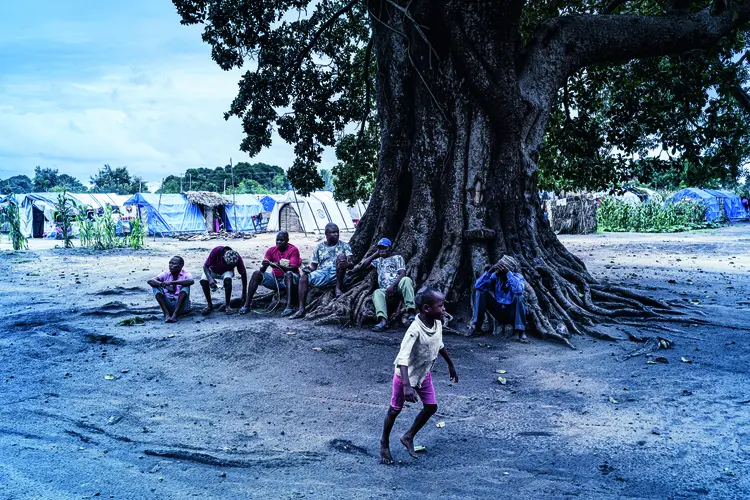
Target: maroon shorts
[426, 392]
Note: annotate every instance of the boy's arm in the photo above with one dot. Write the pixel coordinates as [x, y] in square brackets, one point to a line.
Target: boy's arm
[409, 393]
[451, 369]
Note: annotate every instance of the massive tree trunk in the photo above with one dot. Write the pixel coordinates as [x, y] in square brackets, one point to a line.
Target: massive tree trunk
[462, 107]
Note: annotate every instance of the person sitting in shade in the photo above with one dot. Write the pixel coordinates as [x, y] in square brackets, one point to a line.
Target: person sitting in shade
[392, 281]
[220, 265]
[329, 263]
[172, 290]
[499, 291]
[284, 261]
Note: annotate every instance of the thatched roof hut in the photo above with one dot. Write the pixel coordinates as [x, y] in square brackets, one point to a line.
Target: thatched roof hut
[206, 198]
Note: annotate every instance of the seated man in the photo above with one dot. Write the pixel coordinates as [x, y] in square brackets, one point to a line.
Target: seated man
[220, 264]
[499, 291]
[172, 290]
[392, 280]
[284, 259]
[330, 260]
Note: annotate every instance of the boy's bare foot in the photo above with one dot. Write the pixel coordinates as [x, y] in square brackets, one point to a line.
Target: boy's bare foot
[228, 310]
[171, 319]
[207, 310]
[385, 455]
[408, 443]
[522, 338]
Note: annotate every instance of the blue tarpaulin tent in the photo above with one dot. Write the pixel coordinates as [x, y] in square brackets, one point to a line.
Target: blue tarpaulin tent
[713, 209]
[733, 208]
[172, 214]
[242, 212]
[267, 203]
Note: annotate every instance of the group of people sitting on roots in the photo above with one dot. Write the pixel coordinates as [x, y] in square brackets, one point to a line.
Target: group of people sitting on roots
[499, 290]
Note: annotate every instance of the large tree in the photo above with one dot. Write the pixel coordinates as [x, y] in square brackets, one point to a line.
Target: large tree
[464, 92]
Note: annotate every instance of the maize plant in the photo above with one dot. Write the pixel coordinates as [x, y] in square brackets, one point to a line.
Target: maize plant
[17, 239]
[64, 216]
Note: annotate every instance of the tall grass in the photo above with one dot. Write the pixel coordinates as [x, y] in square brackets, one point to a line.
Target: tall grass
[17, 239]
[100, 231]
[616, 216]
[65, 215]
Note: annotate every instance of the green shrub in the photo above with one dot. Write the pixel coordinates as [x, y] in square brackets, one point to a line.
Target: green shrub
[615, 216]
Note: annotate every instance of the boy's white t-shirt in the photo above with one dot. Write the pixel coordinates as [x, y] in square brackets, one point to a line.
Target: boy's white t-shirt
[419, 350]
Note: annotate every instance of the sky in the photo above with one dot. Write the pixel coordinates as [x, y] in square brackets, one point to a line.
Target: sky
[89, 82]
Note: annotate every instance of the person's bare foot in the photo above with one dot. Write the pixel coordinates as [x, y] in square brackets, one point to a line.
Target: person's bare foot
[408, 443]
[228, 310]
[171, 319]
[385, 454]
[522, 338]
[299, 314]
[339, 293]
[207, 310]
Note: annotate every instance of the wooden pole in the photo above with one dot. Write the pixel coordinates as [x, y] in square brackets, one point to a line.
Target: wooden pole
[158, 208]
[234, 200]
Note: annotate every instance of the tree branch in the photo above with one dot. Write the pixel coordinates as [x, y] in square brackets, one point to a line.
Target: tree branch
[563, 45]
[314, 40]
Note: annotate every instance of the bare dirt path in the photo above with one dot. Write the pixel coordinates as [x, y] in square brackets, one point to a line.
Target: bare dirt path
[263, 407]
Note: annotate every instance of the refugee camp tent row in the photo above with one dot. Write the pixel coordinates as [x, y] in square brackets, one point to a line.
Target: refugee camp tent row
[309, 214]
[718, 203]
[37, 209]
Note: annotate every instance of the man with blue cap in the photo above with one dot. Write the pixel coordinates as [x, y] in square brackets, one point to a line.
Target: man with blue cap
[392, 280]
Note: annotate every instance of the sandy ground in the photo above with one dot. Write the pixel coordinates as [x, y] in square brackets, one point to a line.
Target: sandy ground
[263, 407]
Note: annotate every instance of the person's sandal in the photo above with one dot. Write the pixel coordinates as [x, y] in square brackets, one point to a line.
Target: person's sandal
[379, 328]
[207, 310]
[287, 312]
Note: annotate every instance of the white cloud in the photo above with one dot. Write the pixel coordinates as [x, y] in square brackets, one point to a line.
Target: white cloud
[157, 119]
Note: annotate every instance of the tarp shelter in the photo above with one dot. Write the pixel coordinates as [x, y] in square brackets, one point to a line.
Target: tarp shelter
[171, 214]
[714, 209]
[268, 201]
[731, 202]
[243, 213]
[309, 214]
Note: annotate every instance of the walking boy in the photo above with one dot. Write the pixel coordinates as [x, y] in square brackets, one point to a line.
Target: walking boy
[220, 264]
[172, 290]
[412, 381]
[392, 281]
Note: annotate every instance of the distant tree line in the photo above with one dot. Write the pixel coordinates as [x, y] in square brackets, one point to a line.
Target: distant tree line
[108, 180]
[257, 178]
[243, 178]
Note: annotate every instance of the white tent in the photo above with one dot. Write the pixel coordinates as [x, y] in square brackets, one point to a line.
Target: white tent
[37, 209]
[357, 210]
[309, 214]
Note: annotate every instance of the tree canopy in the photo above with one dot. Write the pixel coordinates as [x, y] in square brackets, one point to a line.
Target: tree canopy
[666, 120]
[256, 178]
[116, 180]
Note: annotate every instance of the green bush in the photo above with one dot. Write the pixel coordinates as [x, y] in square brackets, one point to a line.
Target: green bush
[616, 216]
